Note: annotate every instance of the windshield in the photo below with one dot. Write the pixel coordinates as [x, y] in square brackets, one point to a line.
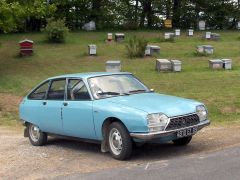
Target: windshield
[115, 85]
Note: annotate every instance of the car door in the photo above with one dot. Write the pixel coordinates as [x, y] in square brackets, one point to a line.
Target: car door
[31, 108]
[77, 111]
[51, 108]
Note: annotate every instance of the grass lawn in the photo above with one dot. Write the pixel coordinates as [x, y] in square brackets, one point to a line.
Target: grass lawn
[219, 90]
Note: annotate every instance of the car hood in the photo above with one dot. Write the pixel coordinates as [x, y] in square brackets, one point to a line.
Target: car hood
[156, 103]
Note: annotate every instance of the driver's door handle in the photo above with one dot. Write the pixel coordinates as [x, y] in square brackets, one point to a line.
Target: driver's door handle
[65, 103]
[44, 103]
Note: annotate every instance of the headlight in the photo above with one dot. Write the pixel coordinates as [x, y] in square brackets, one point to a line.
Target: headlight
[157, 122]
[201, 112]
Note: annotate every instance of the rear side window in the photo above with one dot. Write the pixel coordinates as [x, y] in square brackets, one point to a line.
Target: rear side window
[40, 92]
[56, 90]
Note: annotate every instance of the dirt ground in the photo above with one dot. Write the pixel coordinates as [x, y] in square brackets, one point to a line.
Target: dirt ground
[20, 160]
[9, 102]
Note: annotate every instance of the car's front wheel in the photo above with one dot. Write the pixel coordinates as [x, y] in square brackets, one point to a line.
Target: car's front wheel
[36, 136]
[182, 141]
[119, 141]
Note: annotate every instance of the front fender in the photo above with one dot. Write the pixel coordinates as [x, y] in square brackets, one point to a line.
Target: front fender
[133, 119]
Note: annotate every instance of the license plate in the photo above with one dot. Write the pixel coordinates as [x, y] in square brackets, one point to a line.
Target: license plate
[187, 132]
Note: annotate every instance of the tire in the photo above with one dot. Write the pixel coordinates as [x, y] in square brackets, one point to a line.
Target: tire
[36, 136]
[119, 141]
[182, 141]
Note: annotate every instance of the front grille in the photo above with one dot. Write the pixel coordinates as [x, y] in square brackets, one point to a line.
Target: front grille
[183, 121]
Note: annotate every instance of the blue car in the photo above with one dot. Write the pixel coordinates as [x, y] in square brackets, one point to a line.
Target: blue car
[114, 109]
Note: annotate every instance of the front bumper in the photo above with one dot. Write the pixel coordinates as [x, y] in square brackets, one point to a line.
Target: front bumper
[154, 135]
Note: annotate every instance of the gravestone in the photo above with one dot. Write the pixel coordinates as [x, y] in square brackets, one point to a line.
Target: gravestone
[92, 49]
[113, 66]
[163, 65]
[176, 65]
[227, 64]
[215, 64]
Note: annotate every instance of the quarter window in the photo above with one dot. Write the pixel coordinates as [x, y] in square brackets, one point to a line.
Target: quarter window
[40, 92]
[56, 91]
[77, 90]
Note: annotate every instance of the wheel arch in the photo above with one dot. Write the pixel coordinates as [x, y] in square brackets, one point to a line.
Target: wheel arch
[108, 121]
[105, 125]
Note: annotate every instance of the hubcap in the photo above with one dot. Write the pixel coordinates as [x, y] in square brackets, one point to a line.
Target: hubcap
[34, 133]
[115, 141]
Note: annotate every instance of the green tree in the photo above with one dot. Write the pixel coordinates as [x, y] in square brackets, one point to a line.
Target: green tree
[35, 13]
[24, 15]
[11, 15]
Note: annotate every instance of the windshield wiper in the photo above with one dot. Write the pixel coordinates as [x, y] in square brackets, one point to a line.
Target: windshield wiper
[109, 93]
[137, 90]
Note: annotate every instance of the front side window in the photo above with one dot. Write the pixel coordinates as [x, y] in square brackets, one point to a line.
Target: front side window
[77, 91]
[56, 90]
[116, 85]
[40, 92]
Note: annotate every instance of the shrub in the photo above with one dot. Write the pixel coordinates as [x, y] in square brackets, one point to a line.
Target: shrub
[136, 47]
[56, 30]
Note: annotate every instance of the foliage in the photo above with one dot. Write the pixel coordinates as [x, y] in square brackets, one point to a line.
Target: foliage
[136, 47]
[30, 15]
[10, 16]
[22, 15]
[56, 30]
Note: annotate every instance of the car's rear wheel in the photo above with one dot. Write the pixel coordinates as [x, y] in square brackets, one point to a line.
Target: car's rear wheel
[182, 141]
[119, 141]
[36, 136]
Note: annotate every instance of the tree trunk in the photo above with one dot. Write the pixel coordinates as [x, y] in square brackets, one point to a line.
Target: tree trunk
[176, 13]
[147, 11]
[96, 8]
[149, 14]
[136, 10]
[142, 19]
[168, 8]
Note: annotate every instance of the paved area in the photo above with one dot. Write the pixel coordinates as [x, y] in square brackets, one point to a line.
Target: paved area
[60, 158]
[219, 165]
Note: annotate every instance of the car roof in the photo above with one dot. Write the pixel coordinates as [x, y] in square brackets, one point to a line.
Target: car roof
[87, 75]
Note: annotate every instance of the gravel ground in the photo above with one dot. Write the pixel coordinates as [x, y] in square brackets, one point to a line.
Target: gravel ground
[20, 160]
